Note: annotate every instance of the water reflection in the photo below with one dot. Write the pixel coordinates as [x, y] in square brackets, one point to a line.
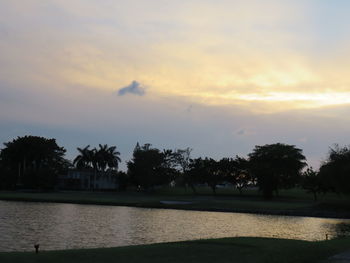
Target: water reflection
[61, 226]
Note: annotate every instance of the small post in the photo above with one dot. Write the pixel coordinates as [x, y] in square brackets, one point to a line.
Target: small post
[326, 236]
[36, 246]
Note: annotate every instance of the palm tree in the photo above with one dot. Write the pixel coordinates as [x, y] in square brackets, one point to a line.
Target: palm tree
[86, 159]
[97, 159]
[107, 157]
[101, 157]
[83, 160]
[113, 158]
[95, 164]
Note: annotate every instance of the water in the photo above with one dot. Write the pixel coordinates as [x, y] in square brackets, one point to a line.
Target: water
[67, 226]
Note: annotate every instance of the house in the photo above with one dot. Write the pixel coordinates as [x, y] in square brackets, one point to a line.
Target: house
[84, 180]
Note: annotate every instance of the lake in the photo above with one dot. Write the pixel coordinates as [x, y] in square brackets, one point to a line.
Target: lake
[68, 226]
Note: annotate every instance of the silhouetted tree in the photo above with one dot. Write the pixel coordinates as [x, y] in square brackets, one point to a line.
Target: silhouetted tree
[87, 160]
[276, 166]
[107, 157]
[235, 171]
[122, 180]
[193, 175]
[181, 159]
[212, 173]
[148, 167]
[7, 180]
[312, 183]
[84, 159]
[33, 161]
[335, 171]
[241, 174]
[97, 160]
[227, 169]
[205, 171]
[170, 164]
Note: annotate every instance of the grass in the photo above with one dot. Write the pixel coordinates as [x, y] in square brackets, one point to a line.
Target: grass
[290, 202]
[238, 250]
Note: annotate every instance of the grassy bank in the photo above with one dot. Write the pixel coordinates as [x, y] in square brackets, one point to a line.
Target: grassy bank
[293, 202]
[215, 250]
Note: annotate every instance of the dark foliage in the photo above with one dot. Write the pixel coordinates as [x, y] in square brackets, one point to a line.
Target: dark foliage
[241, 177]
[32, 162]
[204, 171]
[335, 171]
[123, 181]
[97, 160]
[150, 167]
[276, 166]
[312, 183]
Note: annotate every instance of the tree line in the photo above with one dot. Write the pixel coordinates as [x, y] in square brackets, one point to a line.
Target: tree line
[35, 162]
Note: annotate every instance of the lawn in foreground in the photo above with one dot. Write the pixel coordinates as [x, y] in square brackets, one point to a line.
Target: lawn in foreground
[212, 250]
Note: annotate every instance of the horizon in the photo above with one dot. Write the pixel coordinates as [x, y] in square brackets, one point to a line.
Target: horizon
[123, 164]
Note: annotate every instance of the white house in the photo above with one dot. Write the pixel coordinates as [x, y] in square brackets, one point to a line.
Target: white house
[84, 180]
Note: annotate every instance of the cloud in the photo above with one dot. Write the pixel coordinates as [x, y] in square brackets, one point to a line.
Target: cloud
[135, 88]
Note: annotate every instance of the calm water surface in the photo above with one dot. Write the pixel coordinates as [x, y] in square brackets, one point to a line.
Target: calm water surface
[62, 226]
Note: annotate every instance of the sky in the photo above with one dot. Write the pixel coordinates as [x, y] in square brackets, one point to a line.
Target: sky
[217, 76]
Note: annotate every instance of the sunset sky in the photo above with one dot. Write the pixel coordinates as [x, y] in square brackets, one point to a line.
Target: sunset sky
[217, 76]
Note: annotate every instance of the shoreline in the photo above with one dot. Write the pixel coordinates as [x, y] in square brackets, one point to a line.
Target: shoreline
[186, 207]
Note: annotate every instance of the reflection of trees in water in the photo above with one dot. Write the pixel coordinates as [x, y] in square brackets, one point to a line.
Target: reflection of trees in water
[342, 229]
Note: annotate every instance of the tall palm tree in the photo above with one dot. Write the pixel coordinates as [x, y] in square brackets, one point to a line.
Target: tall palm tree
[97, 159]
[83, 159]
[113, 157]
[94, 162]
[107, 157]
[102, 157]
[86, 160]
